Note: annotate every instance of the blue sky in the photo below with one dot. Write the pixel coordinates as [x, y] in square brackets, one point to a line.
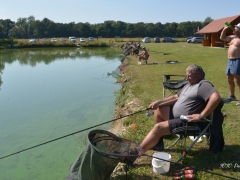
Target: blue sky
[131, 11]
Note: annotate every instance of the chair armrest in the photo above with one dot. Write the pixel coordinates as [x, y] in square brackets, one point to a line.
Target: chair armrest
[185, 119]
[205, 120]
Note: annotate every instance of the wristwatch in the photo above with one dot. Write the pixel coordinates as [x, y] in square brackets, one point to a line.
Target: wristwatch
[200, 116]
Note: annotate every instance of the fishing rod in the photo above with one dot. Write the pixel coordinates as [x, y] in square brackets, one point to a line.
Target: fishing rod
[102, 64]
[83, 130]
[175, 163]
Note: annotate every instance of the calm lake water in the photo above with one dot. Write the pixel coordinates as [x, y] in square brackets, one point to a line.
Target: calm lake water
[46, 94]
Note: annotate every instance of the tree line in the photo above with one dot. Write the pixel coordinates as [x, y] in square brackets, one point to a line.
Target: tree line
[26, 28]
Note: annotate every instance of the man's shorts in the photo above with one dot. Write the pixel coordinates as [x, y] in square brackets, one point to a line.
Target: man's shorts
[233, 67]
[144, 58]
[175, 125]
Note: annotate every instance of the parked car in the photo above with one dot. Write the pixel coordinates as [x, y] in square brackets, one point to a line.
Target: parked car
[44, 39]
[90, 39]
[33, 40]
[168, 39]
[63, 39]
[146, 40]
[82, 40]
[53, 40]
[187, 38]
[156, 40]
[174, 40]
[73, 39]
[197, 40]
[73, 53]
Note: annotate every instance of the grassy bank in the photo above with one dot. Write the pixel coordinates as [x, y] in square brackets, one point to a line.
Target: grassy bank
[145, 86]
[24, 43]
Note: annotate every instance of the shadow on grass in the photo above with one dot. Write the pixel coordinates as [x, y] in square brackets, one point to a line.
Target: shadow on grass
[158, 52]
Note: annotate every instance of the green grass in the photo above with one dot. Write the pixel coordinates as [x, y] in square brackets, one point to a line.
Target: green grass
[24, 43]
[146, 86]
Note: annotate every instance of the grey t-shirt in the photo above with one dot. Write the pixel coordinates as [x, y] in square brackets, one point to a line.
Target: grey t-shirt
[193, 99]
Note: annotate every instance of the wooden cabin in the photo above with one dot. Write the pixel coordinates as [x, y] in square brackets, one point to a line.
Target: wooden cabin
[211, 32]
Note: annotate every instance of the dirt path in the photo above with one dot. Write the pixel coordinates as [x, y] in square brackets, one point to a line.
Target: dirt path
[118, 127]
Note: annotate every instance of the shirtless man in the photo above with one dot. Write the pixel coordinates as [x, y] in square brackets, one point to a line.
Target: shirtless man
[233, 66]
[143, 55]
[134, 49]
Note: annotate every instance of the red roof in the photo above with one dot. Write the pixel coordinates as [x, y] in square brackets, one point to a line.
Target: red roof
[217, 25]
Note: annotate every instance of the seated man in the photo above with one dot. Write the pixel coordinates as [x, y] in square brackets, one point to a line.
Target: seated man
[196, 100]
[134, 49]
[143, 56]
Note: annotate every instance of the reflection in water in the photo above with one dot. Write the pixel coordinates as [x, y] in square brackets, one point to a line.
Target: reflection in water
[1, 70]
[34, 56]
[48, 55]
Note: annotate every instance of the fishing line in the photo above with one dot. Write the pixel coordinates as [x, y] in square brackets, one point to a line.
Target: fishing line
[144, 154]
[74, 133]
[115, 74]
[98, 79]
[102, 65]
[164, 103]
[114, 61]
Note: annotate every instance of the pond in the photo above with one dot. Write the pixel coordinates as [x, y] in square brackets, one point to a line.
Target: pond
[50, 93]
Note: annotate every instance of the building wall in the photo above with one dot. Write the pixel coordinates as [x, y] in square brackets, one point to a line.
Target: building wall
[212, 39]
[206, 39]
[216, 41]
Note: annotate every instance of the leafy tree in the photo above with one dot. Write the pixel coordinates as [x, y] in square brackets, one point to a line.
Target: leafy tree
[196, 25]
[170, 29]
[1, 28]
[50, 28]
[99, 30]
[207, 21]
[22, 27]
[185, 29]
[83, 29]
[30, 27]
[150, 29]
[46, 28]
[130, 30]
[108, 28]
[158, 29]
[6, 25]
[140, 30]
[119, 28]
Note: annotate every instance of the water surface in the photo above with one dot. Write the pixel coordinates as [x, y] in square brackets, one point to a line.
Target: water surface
[50, 93]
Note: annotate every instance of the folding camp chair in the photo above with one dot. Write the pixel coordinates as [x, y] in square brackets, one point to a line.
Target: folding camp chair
[172, 84]
[191, 130]
[146, 59]
[212, 131]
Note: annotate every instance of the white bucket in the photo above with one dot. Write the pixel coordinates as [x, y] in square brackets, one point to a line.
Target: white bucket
[160, 166]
